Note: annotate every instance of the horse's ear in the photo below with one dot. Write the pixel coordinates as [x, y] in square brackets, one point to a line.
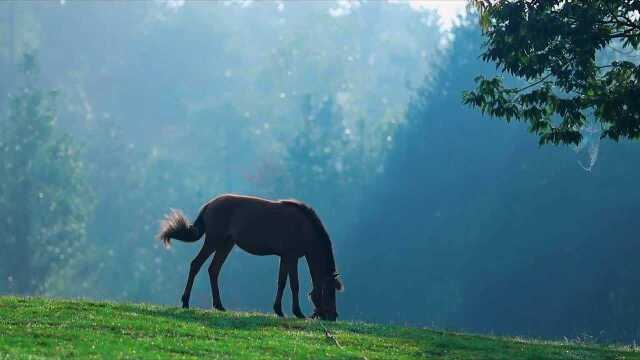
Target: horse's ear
[338, 284]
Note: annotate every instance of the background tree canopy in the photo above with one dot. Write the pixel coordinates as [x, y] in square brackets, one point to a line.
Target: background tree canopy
[578, 61]
[44, 199]
[438, 217]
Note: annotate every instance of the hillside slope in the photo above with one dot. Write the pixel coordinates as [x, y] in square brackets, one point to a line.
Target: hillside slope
[36, 327]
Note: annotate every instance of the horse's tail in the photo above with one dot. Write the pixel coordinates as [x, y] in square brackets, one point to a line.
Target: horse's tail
[176, 226]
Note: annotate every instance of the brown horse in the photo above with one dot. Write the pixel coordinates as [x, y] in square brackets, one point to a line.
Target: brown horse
[286, 228]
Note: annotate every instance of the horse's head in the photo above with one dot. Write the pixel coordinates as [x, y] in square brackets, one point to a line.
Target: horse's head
[324, 298]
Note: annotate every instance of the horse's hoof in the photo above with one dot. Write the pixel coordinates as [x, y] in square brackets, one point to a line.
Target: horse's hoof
[220, 308]
[278, 310]
[299, 314]
[185, 305]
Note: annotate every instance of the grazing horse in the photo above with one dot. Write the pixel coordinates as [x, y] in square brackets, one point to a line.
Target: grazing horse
[286, 228]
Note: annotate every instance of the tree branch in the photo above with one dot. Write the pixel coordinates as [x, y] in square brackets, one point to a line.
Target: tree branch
[534, 84]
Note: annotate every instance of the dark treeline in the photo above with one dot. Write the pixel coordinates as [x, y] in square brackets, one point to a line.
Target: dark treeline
[438, 216]
[480, 228]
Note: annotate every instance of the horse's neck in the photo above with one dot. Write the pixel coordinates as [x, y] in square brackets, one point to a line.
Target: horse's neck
[318, 267]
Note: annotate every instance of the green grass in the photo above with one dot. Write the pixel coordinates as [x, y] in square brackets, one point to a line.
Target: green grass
[45, 328]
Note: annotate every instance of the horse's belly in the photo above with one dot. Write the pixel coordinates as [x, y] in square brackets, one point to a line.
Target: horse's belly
[255, 247]
[267, 244]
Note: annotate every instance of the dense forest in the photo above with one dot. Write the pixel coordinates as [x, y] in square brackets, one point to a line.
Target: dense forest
[440, 216]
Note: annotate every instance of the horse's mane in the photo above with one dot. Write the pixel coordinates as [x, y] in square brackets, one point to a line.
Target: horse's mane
[319, 227]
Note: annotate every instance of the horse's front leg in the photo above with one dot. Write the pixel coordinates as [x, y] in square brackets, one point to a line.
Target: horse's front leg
[214, 270]
[282, 282]
[292, 269]
[196, 264]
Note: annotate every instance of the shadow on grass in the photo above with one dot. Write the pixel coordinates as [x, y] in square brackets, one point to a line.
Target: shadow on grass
[427, 342]
[222, 320]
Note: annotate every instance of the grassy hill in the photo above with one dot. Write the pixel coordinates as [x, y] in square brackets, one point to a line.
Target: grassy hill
[36, 327]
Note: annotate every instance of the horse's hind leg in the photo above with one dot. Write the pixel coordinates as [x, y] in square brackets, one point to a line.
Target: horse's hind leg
[282, 282]
[214, 270]
[196, 264]
[292, 267]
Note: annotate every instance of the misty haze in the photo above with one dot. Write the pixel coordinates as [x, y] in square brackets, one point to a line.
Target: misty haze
[440, 213]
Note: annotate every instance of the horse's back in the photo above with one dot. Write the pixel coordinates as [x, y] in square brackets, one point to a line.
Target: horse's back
[261, 226]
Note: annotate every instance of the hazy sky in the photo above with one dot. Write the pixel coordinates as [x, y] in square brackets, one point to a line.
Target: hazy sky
[447, 10]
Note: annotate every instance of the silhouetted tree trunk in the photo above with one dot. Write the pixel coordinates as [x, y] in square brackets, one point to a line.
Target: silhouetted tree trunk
[15, 230]
[22, 253]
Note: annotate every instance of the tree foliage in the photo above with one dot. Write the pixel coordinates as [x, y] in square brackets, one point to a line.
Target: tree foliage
[477, 223]
[577, 58]
[44, 200]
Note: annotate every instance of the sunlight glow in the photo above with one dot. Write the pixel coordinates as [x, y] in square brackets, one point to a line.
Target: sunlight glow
[447, 10]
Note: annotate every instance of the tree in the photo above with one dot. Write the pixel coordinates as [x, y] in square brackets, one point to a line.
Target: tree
[43, 207]
[313, 156]
[577, 59]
